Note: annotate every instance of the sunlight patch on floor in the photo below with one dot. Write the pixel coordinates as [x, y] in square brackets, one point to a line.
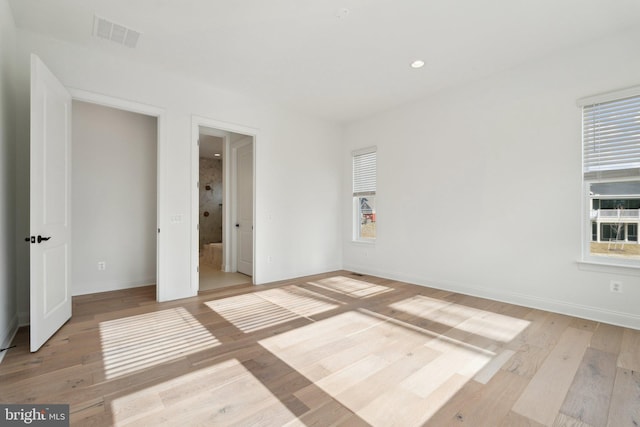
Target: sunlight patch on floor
[224, 394]
[491, 325]
[351, 287]
[374, 364]
[139, 342]
[264, 309]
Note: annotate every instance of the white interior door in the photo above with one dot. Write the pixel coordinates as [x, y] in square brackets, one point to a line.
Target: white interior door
[50, 204]
[244, 207]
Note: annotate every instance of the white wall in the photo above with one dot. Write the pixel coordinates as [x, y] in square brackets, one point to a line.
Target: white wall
[8, 240]
[299, 240]
[113, 179]
[479, 187]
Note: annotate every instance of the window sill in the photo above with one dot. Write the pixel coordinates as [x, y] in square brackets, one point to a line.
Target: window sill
[364, 242]
[608, 267]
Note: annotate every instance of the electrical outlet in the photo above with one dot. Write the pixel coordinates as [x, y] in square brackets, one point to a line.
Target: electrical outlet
[615, 286]
[102, 265]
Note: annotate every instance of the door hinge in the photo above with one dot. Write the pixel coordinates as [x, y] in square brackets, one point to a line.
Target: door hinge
[198, 143]
[197, 226]
[158, 231]
[197, 184]
[198, 269]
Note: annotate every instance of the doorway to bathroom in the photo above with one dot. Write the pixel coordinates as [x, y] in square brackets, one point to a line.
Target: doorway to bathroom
[225, 208]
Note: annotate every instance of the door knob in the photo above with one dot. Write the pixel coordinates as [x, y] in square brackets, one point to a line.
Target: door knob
[237, 225]
[42, 239]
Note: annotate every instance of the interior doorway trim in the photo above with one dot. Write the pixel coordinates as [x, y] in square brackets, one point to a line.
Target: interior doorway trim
[196, 123]
[160, 115]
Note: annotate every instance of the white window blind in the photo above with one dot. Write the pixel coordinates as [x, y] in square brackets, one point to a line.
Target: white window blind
[364, 173]
[611, 138]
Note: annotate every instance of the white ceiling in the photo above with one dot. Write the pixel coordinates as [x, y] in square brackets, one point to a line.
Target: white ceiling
[300, 53]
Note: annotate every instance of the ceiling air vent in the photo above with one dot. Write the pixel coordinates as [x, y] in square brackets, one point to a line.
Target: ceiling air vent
[117, 33]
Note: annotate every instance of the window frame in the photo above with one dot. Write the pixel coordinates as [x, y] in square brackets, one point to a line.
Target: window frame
[586, 228]
[355, 197]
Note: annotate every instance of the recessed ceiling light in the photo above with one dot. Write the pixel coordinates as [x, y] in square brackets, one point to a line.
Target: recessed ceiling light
[417, 64]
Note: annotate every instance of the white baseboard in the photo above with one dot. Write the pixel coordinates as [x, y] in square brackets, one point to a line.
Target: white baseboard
[114, 286]
[8, 335]
[627, 320]
[298, 274]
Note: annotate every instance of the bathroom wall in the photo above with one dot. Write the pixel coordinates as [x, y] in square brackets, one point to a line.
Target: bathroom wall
[210, 200]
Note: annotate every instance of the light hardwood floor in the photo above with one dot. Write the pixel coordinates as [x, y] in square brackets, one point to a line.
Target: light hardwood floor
[212, 279]
[335, 349]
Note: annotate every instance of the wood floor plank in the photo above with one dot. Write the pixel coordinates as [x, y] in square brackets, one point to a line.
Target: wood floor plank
[88, 410]
[351, 421]
[367, 343]
[563, 420]
[584, 324]
[416, 410]
[485, 375]
[540, 401]
[527, 360]
[588, 397]
[313, 396]
[359, 395]
[429, 378]
[272, 415]
[547, 334]
[625, 399]
[630, 350]
[353, 374]
[607, 338]
[490, 403]
[516, 420]
[536, 320]
[327, 414]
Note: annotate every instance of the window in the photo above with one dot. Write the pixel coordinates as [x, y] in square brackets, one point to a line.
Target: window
[611, 174]
[364, 194]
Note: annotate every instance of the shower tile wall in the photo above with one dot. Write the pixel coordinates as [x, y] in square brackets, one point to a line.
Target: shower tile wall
[210, 201]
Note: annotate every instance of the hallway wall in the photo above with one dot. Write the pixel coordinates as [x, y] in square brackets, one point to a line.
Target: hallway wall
[114, 201]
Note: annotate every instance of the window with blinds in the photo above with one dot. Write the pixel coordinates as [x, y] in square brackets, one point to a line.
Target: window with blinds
[364, 194]
[364, 174]
[611, 138]
[611, 171]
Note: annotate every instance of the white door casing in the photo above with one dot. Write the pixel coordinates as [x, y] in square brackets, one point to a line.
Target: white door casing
[50, 209]
[244, 207]
[230, 131]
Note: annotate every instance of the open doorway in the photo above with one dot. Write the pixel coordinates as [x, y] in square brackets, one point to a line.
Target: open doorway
[225, 208]
[115, 214]
[158, 115]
